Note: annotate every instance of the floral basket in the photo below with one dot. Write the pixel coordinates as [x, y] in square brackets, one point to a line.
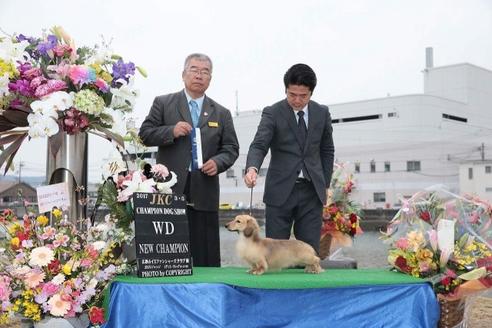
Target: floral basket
[446, 239]
[452, 313]
[48, 268]
[341, 215]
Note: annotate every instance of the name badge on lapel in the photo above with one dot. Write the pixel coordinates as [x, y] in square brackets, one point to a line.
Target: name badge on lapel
[213, 124]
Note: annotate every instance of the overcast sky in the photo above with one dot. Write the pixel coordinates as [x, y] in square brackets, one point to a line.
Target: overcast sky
[359, 49]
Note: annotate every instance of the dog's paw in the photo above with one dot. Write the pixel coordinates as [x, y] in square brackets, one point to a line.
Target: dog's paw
[316, 269]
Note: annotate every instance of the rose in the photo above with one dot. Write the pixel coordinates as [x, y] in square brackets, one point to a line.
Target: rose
[401, 263]
[96, 315]
[425, 216]
[54, 267]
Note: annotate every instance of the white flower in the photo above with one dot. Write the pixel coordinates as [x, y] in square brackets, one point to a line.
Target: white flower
[58, 279]
[41, 125]
[135, 185]
[41, 256]
[92, 283]
[165, 187]
[4, 85]
[114, 164]
[52, 104]
[124, 94]
[10, 51]
[99, 245]
[58, 307]
[103, 54]
[118, 122]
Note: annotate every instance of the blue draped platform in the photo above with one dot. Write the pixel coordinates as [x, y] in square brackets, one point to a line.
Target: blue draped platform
[191, 302]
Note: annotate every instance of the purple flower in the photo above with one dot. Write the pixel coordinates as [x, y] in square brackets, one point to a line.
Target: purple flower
[122, 70]
[22, 37]
[21, 86]
[44, 47]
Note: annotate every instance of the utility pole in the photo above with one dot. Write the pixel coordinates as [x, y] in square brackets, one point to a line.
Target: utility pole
[21, 164]
[482, 151]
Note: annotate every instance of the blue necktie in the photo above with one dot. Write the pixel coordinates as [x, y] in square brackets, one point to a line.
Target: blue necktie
[195, 113]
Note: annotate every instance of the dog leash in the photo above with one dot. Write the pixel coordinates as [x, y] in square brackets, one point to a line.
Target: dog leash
[251, 202]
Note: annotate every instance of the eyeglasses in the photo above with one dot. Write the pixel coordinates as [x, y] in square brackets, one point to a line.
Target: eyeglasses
[195, 71]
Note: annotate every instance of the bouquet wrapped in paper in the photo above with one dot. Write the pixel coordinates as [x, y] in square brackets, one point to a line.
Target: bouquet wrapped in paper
[445, 238]
[341, 216]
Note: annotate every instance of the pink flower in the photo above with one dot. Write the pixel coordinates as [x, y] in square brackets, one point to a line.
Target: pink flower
[160, 170]
[101, 85]
[49, 233]
[402, 243]
[62, 49]
[5, 289]
[86, 263]
[50, 87]
[61, 240]
[34, 278]
[81, 74]
[58, 306]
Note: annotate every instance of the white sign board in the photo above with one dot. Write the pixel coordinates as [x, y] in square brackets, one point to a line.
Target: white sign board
[53, 195]
[445, 235]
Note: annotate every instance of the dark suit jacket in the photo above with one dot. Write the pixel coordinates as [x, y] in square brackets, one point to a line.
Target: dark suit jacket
[219, 142]
[278, 132]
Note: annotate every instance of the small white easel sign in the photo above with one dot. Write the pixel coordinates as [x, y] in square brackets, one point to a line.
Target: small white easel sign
[53, 195]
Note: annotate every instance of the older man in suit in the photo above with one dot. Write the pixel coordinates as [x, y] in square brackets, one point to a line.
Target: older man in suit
[169, 125]
[298, 133]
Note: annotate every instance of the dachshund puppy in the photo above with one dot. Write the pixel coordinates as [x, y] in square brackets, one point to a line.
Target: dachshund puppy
[264, 254]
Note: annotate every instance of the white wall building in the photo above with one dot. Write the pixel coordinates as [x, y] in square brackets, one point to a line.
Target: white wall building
[397, 145]
[476, 178]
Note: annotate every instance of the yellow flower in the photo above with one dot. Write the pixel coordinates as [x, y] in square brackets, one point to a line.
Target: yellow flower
[42, 220]
[9, 68]
[14, 228]
[67, 269]
[15, 242]
[57, 213]
[415, 239]
[423, 254]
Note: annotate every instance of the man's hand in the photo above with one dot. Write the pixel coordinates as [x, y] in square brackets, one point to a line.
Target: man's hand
[210, 167]
[181, 129]
[329, 195]
[250, 178]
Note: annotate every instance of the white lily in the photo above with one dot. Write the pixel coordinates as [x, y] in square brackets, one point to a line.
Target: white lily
[114, 165]
[165, 187]
[122, 95]
[10, 51]
[136, 185]
[118, 124]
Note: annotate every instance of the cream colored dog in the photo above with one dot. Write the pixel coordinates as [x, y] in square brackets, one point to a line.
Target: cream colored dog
[264, 254]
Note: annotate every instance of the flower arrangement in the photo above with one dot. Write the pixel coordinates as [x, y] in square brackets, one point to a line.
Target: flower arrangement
[49, 86]
[446, 239]
[341, 216]
[117, 190]
[53, 269]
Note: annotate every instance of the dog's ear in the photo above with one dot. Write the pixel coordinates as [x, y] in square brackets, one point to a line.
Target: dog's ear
[248, 231]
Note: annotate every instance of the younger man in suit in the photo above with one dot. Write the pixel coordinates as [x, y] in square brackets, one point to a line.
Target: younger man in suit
[298, 133]
[169, 124]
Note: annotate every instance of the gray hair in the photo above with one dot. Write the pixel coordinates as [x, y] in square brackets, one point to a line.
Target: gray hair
[197, 56]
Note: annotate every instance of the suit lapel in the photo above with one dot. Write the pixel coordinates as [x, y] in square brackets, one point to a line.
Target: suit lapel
[184, 109]
[208, 109]
[288, 114]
